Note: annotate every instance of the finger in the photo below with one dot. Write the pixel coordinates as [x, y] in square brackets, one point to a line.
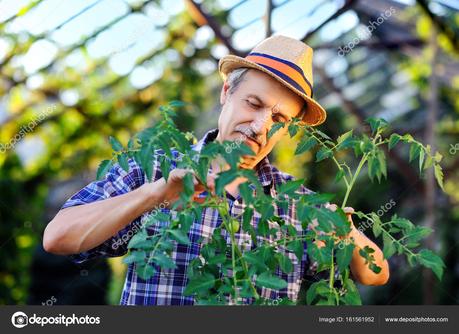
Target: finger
[211, 181]
[331, 207]
[348, 210]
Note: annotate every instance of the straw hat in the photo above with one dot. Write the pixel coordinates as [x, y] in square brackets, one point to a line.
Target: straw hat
[287, 60]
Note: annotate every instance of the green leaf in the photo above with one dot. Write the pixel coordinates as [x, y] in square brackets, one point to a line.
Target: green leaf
[263, 227]
[146, 161]
[412, 259]
[317, 198]
[297, 247]
[366, 145]
[377, 229]
[393, 140]
[116, 145]
[417, 233]
[188, 184]
[131, 144]
[415, 150]
[429, 162]
[323, 135]
[323, 154]
[352, 296]
[421, 159]
[177, 103]
[285, 263]
[389, 247]
[317, 289]
[164, 261]
[344, 255]
[382, 163]
[180, 236]
[292, 130]
[145, 271]
[246, 192]
[138, 239]
[373, 167]
[276, 127]
[266, 210]
[223, 179]
[339, 175]
[218, 259]
[345, 140]
[165, 166]
[255, 259]
[376, 123]
[305, 145]
[431, 260]
[439, 175]
[402, 223]
[201, 283]
[135, 256]
[270, 281]
[123, 161]
[290, 187]
[103, 168]
[323, 255]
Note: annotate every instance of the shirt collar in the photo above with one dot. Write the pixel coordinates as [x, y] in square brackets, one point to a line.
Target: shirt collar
[263, 169]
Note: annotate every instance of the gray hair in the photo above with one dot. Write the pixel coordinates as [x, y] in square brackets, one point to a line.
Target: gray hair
[235, 77]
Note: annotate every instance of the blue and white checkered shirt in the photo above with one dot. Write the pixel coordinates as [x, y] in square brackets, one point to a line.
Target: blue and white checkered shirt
[166, 286]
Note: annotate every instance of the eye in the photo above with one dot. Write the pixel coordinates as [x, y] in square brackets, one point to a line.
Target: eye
[279, 118]
[253, 105]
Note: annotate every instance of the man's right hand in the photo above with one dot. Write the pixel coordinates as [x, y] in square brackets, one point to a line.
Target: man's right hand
[169, 192]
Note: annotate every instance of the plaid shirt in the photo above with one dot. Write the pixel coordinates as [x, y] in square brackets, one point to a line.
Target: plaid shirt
[166, 286]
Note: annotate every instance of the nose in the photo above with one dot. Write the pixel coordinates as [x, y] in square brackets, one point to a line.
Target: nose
[261, 123]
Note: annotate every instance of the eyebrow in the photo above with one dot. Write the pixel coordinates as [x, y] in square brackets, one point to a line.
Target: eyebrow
[256, 97]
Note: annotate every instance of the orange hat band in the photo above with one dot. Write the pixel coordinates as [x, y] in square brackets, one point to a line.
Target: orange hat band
[284, 69]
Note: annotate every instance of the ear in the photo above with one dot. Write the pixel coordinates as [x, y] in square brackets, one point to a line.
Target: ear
[224, 93]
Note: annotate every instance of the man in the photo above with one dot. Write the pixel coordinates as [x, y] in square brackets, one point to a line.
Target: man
[272, 84]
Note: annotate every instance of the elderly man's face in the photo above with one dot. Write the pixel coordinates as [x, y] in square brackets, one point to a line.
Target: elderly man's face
[250, 111]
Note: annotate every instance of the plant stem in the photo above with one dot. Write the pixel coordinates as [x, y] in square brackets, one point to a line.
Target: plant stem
[333, 156]
[354, 177]
[332, 272]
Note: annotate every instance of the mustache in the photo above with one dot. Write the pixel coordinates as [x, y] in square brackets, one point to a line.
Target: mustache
[249, 132]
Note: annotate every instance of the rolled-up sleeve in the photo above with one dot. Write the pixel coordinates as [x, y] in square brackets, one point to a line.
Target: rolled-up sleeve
[116, 182]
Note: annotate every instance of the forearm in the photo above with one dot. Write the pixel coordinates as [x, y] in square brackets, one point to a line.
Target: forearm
[360, 269]
[78, 229]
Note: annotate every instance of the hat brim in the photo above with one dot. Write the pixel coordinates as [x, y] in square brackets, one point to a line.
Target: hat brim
[314, 115]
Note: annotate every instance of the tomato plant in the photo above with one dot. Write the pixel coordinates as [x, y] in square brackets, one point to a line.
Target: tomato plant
[225, 272]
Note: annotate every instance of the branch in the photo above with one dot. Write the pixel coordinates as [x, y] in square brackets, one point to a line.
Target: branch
[441, 26]
[372, 44]
[347, 5]
[268, 18]
[202, 18]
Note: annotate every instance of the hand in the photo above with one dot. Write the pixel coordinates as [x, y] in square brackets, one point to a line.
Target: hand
[169, 192]
[314, 223]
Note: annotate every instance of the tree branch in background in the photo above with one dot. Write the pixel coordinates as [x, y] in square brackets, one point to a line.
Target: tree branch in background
[441, 26]
[202, 18]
